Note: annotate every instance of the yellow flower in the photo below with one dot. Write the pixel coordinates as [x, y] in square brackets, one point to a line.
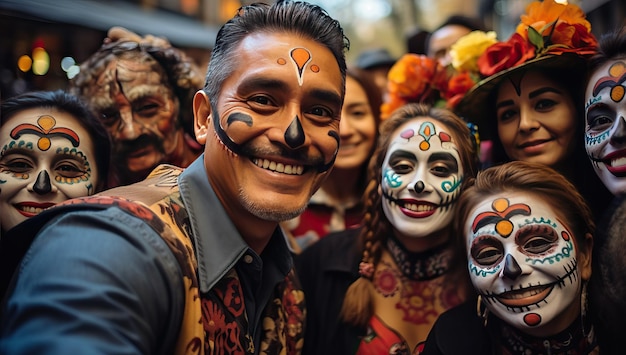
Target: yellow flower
[467, 49]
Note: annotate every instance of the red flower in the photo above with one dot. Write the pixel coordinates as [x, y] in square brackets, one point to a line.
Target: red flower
[505, 55]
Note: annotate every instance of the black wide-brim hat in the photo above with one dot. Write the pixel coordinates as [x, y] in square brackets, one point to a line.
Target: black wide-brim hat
[478, 105]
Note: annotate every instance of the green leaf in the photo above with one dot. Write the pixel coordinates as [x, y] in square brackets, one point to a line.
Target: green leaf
[535, 37]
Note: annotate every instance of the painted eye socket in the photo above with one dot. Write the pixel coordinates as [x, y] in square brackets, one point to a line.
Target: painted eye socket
[441, 170]
[70, 169]
[537, 239]
[599, 118]
[401, 166]
[486, 251]
[17, 165]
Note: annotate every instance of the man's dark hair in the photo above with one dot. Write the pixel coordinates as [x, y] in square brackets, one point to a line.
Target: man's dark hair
[297, 17]
[68, 103]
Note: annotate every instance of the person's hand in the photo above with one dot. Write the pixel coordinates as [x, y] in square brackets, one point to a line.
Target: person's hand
[117, 33]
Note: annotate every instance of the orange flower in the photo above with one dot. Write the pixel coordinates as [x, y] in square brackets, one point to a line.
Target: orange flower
[413, 78]
[575, 38]
[458, 85]
[539, 14]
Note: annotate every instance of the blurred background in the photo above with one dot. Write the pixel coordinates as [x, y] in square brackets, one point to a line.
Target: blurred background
[43, 41]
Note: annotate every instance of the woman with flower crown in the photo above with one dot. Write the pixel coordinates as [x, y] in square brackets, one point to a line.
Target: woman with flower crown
[527, 236]
[529, 99]
[379, 288]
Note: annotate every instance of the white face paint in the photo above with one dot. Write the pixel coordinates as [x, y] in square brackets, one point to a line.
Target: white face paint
[421, 178]
[46, 157]
[605, 124]
[522, 260]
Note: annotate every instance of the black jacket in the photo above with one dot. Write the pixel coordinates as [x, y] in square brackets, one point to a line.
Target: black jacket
[326, 269]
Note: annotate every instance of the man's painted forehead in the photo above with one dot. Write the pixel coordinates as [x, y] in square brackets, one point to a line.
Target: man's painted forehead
[302, 60]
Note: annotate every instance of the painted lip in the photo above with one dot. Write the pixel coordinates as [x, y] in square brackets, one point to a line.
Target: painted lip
[525, 297]
[416, 208]
[30, 209]
[616, 162]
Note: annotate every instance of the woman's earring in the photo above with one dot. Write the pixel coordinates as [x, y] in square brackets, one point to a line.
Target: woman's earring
[484, 314]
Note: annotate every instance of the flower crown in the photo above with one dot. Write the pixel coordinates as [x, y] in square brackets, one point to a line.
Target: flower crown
[417, 78]
[547, 28]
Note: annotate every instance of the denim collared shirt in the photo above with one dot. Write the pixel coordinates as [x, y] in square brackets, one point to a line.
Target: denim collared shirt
[104, 282]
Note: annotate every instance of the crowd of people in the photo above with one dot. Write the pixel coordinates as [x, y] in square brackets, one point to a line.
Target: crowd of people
[467, 200]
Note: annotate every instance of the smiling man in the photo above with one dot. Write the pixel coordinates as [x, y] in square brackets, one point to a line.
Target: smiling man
[194, 260]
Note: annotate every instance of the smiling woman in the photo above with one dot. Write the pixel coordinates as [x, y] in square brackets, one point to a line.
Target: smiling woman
[51, 149]
[526, 234]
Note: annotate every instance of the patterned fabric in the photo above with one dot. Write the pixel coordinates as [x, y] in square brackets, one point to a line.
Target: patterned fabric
[421, 266]
[215, 322]
[381, 339]
[569, 342]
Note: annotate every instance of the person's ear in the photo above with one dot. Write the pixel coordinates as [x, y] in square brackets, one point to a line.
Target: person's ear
[585, 257]
[201, 116]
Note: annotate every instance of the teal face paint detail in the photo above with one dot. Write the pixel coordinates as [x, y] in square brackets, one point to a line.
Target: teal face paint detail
[537, 221]
[592, 101]
[449, 186]
[595, 140]
[431, 130]
[480, 272]
[15, 145]
[392, 179]
[565, 253]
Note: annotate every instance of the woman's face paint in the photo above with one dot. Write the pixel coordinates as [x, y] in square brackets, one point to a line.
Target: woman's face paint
[522, 260]
[46, 157]
[276, 123]
[605, 124]
[421, 178]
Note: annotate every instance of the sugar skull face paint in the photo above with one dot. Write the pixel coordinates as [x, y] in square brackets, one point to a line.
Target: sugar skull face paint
[522, 260]
[45, 158]
[421, 178]
[605, 128]
[274, 129]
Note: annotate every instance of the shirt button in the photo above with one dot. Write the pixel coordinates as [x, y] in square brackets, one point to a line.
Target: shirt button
[247, 259]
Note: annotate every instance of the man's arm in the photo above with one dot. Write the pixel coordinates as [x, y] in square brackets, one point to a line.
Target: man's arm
[97, 282]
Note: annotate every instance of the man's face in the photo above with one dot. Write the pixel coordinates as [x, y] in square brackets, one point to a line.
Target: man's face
[524, 261]
[605, 124]
[46, 157]
[274, 133]
[140, 111]
[421, 178]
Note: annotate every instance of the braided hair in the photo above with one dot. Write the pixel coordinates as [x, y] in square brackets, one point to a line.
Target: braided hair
[358, 308]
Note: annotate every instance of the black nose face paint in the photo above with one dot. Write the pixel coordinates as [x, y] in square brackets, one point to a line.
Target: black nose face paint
[419, 186]
[294, 135]
[42, 185]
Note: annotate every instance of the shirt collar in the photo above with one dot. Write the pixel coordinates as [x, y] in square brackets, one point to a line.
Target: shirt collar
[219, 246]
